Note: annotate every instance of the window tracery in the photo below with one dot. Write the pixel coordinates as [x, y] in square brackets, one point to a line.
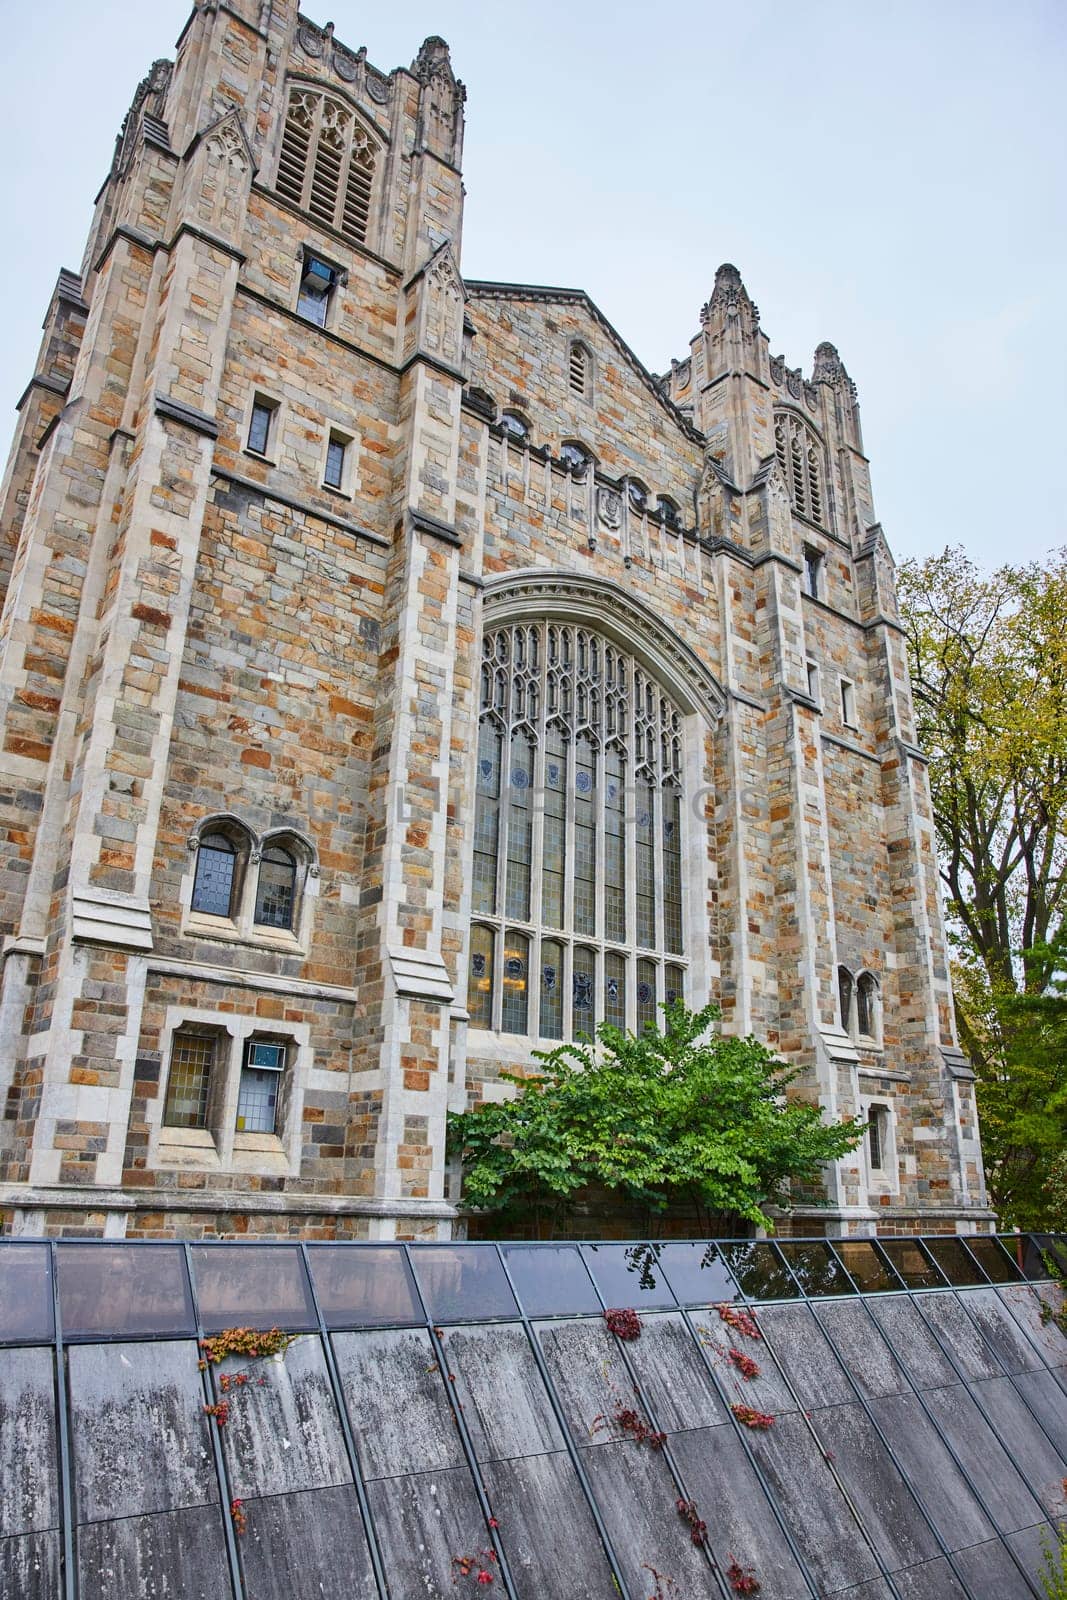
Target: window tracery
[577, 872]
[327, 161]
[800, 457]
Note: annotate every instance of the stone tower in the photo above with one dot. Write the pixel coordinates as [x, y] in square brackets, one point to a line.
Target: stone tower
[395, 675]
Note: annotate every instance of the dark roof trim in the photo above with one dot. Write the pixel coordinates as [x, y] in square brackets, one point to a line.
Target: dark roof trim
[484, 289]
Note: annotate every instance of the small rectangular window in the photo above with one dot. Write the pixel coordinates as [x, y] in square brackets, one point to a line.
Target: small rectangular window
[812, 572]
[813, 681]
[316, 285]
[259, 429]
[334, 475]
[257, 1099]
[848, 703]
[875, 1140]
[192, 1060]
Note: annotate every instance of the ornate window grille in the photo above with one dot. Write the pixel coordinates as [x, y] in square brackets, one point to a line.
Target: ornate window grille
[577, 881]
[327, 161]
[800, 458]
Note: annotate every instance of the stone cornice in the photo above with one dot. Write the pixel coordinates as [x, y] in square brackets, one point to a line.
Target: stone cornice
[36, 1197]
[186, 416]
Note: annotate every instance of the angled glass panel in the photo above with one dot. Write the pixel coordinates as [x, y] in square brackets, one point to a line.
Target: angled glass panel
[462, 1282]
[697, 1273]
[908, 1258]
[628, 1274]
[259, 1286]
[993, 1259]
[363, 1285]
[865, 1265]
[550, 1280]
[815, 1267]
[25, 1292]
[123, 1289]
[760, 1272]
[551, 989]
[1054, 1246]
[959, 1267]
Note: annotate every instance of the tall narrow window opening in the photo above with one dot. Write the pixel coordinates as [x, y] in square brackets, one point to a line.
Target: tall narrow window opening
[276, 891]
[580, 370]
[327, 162]
[192, 1061]
[800, 456]
[577, 890]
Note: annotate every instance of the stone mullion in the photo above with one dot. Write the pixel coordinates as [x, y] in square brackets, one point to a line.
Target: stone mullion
[537, 838]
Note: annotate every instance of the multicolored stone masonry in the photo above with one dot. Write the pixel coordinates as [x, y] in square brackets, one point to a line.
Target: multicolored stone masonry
[282, 483]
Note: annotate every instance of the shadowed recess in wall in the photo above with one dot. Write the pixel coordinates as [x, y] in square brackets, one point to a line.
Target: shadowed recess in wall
[878, 1419]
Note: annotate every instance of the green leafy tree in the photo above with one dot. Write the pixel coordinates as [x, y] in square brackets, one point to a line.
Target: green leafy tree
[988, 659]
[675, 1116]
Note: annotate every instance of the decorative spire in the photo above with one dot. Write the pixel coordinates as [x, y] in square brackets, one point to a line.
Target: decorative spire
[829, 368]
[433, 61]
[730, 298]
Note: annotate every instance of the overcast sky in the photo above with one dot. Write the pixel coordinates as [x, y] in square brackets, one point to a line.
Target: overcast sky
[888, 176]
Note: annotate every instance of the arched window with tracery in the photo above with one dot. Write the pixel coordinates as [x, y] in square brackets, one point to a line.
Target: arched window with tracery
[800, 456]
[327, 162]
[577, 880]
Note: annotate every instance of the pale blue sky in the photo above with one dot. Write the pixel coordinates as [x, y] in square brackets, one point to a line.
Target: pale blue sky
[887, 176]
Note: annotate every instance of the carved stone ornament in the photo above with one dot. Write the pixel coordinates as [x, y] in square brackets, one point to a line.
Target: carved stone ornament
[193, 842]
[795, 384]
[345, 66]
[779, 509]
[609, 507]
[731, 299]
[309, 40]
[377, 88]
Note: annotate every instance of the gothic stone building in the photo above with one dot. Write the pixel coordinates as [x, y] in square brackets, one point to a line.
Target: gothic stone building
[395, 675]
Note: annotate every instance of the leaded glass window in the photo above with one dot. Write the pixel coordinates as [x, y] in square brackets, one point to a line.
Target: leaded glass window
[276, 890]
[577, 887]
[216, 861]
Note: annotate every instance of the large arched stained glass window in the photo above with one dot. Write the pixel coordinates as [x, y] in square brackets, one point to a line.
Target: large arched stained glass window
[577, 880]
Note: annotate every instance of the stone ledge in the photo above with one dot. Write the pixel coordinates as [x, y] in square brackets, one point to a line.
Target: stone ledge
[421, 974]
[100, 916]
[36, 1197]
[957, 1065]
[188, 416]
[422, 522]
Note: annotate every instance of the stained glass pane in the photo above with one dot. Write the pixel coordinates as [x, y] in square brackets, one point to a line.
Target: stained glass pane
[192, 1056]
[646, 993]
[520, 827]
[583, 1017]
[672, 870]
[615, 847]
[516, 972]
[487, 819]
[646, 864]
[584, 836]
[615, 989]
[674, 979]
[553, 848]
[213, 884]
[480, 979]
[274, 894]
[551, 989]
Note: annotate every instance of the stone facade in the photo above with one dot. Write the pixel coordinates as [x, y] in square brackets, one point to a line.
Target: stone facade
[278, 472]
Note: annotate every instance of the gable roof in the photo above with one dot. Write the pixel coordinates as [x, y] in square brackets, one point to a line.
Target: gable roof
[484, 289]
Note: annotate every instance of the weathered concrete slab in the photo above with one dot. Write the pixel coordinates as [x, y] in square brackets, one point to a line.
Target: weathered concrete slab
[29, 1565]
[636, 1497]
[741, 1524]
[283, 1433]
[139, 1435]
[29, 1494]
[505, 1403]
[672, 1372]
[801, 1350]
[171, 1555]
[962, 1339]
[817, 1511]
[424, 1521]
[312, 1543]
[863, 1348]
[1048, 1400]
[998, 1485]
[400, 1415]
[589, 1375]
[547, 1529]
[768, 1392]
[991, 1574]
[886, 1506]
[913, 1344]
[938, 1482]
[1020, 1433]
